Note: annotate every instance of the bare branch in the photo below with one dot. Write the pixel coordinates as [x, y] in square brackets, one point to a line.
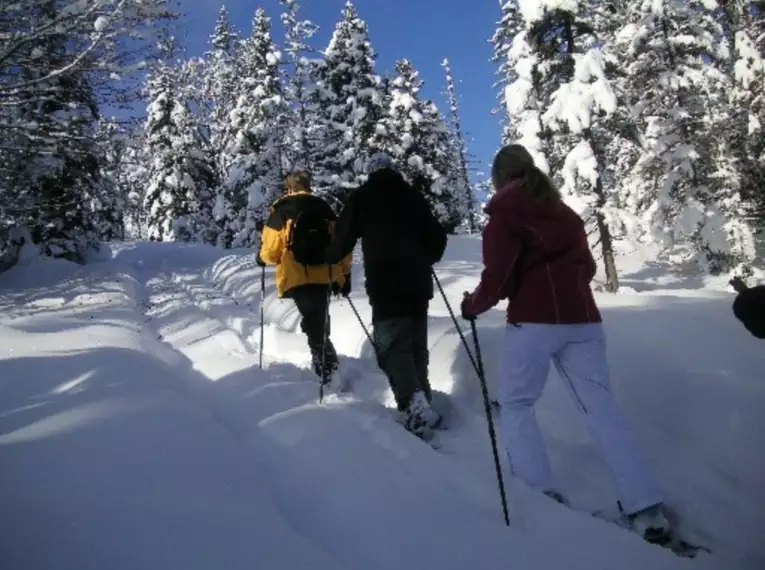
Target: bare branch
[54, 24]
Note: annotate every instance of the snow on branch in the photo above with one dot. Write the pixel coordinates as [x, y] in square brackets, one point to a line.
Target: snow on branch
[589, 92]
[102, 37]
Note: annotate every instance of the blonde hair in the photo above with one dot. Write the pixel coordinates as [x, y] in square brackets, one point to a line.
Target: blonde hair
[297, 182]
[513, 162]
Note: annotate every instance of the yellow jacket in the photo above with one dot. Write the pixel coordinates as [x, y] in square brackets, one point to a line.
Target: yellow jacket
[273, 247]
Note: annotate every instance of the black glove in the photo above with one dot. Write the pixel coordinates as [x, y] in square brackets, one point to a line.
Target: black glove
[738, 284]
[465, 308]
[259, 261]
[344, 289]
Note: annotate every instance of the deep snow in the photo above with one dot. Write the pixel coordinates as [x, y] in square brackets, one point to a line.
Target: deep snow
[137, 431]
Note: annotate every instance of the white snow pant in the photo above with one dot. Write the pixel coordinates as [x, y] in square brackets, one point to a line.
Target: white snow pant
[579, 355]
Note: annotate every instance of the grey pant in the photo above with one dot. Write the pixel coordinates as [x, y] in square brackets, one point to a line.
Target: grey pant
[402, 353]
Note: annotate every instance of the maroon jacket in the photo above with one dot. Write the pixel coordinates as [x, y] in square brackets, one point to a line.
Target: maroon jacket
[537, 256]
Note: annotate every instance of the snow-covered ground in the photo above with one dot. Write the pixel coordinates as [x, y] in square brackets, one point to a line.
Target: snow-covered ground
[138, 432]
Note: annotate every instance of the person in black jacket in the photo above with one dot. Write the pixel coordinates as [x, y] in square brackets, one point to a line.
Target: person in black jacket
[401, 241]
[749, 307]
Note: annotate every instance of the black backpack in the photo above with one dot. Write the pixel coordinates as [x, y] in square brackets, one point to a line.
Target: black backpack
[309, 237]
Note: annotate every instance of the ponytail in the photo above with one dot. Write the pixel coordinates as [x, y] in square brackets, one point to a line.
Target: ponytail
[539, 185]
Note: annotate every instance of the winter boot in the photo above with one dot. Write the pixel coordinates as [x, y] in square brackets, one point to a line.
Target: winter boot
[651, 523]
[330, 362]
[419, 417]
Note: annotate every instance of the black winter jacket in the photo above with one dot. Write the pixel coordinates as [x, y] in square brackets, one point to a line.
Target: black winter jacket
[749, 308]
[401, 240]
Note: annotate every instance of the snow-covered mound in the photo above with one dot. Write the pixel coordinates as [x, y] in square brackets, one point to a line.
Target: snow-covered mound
[138, 431]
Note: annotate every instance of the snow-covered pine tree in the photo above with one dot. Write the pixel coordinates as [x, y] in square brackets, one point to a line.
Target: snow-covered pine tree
[380, 137]
[224, 36]
[460, 178]
[57, 61]
[110, 202]
[350, 106]
[619, 134]
[221, 82]
[199, 135]
[731, 173]
[523, 93]
[518, 82]
[483, 189]
[744, 133]
[108, 41]
[261, 120]
[757, 144]
[675, 186]
[418, 139]
[181, 177]
[303, 136]
[135, 167]
[560, 101]
[509, 27]
[53, 162]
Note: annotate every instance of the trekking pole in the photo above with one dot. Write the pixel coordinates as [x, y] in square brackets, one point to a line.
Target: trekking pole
[492, 432]
[363, 326]
[262, 300]
[487, 405]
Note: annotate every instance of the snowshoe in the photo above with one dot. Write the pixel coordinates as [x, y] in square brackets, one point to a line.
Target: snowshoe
[558, 498]
[653, 526]
[420, 418]
[671, 541]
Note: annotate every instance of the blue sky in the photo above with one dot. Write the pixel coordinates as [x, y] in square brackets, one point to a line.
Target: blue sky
[424, 31]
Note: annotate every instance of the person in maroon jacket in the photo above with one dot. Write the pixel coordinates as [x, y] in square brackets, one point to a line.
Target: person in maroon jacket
[536, 255]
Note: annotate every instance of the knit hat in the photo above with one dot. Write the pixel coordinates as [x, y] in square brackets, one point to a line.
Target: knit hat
[378, 161]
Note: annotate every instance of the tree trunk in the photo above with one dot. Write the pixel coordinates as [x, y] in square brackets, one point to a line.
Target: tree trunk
[606, 239]
[607, 247]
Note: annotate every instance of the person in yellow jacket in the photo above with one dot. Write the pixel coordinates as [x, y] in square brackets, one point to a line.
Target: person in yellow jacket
[294, 239]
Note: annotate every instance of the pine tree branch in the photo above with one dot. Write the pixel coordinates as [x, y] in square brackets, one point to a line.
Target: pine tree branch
[13, 48]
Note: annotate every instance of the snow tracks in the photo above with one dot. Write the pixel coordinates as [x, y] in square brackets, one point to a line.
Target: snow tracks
[105, 464]
[343, 473]
[136, 431]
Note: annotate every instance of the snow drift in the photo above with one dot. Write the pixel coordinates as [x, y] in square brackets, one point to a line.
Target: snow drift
[137, 430]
